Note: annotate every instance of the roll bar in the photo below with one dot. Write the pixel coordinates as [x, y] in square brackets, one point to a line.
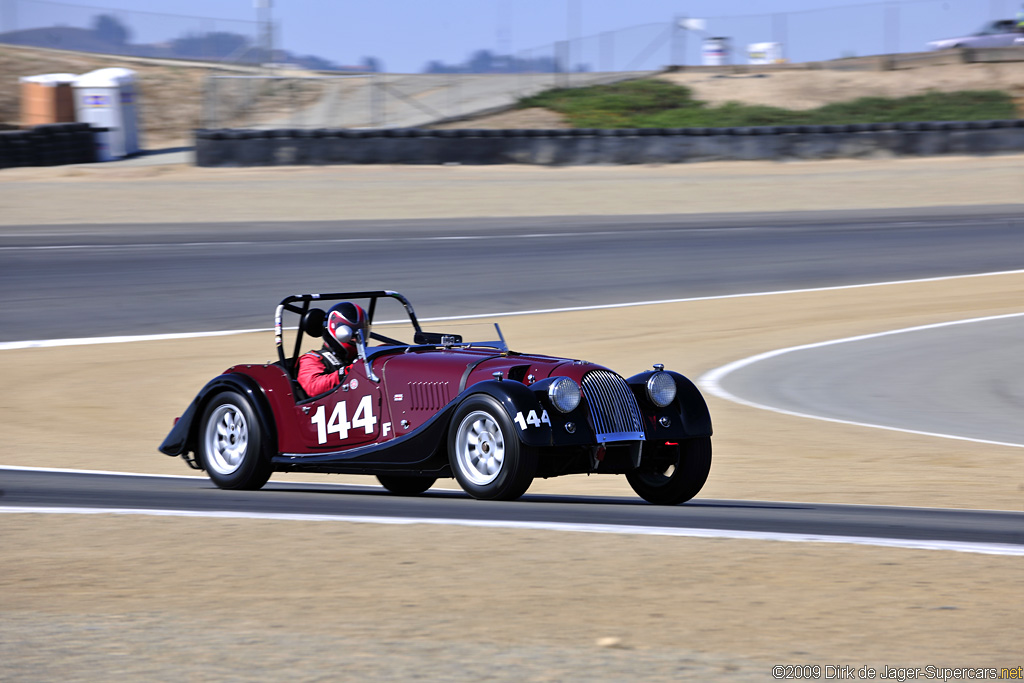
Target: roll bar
[300, 304]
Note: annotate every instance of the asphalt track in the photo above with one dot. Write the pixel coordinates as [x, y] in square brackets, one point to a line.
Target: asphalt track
[966, 530]
[961, 378]
[83, 281]
[87, 281]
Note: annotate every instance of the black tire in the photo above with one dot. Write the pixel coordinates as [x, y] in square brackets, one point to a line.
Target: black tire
[404, 485]
[485, 453]
[231, 444]
[672, 474]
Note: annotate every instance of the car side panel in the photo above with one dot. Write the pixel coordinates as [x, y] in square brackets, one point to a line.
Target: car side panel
[351, 415]
[420, 452]
[423, 450]
[280, 397]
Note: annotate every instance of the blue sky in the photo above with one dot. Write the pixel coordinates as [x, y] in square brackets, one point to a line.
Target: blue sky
[405, 34]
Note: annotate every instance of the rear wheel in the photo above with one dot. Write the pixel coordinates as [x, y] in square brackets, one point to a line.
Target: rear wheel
[672, 474]
[485, 453]
[405, 486]
[231, 443]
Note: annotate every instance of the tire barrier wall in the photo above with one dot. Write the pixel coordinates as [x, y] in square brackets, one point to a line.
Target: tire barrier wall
[48, 145]
[599, 146]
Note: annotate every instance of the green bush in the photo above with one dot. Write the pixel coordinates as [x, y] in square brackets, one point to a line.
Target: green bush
[659, 104]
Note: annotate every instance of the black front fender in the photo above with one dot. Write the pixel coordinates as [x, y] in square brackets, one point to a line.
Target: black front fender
[688, 413]
[519, 401]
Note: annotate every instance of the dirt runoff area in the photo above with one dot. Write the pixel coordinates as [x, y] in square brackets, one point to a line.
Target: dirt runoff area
[144, 598]
[808, 89]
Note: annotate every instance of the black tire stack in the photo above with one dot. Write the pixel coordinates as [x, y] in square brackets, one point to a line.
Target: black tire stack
[54, 144]
[229, 147]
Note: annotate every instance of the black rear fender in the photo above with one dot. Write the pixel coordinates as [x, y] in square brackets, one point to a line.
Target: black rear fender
[182, 438]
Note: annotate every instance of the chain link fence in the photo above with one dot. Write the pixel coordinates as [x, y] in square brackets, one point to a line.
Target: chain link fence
[855, 30]
[40, 23]
[879, 27]
[374, 100]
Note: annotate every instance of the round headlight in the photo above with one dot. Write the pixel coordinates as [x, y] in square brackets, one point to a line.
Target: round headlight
[564, 394]
[661, 389]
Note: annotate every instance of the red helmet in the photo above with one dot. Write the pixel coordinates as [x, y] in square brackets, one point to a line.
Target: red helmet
[340, 326]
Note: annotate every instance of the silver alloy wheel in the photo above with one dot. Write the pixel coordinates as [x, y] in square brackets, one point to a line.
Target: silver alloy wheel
[479, 448]
[226, 439]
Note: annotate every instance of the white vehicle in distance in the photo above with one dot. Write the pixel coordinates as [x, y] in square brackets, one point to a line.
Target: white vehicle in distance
[1001, 33]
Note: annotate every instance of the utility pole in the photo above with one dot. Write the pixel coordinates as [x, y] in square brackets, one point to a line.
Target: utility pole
[8, 15]
[265, 29]
[892, 28]
[682, 26]
[678, 41]
[572, 32]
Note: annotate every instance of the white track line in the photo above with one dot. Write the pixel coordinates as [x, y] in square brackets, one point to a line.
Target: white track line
[343, 240]
[313, 241]
[84, 341]
[711, 381]
[203, 477]
[124, 339]
[336, 240]
[630, 530]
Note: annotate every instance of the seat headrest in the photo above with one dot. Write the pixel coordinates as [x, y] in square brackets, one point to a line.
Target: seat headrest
[313, 322]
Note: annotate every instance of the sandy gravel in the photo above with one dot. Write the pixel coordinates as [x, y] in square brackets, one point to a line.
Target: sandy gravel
[159, 599]
[532, 117]
[814, 88]
[118, 194]
[110, 598]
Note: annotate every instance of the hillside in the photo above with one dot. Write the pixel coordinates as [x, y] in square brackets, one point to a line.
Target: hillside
[170, 98]
[805, 89]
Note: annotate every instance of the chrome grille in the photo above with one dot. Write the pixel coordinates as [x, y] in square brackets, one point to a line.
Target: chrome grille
[613, 408]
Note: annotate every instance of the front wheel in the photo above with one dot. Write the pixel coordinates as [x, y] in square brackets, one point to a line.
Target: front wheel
[485, 453]
[231, 444]
[672, 474]
[405, 486]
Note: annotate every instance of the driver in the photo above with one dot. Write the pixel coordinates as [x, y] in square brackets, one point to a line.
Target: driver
[322, 370]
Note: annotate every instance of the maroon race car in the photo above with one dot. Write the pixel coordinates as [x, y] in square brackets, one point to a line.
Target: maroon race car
[410, 413]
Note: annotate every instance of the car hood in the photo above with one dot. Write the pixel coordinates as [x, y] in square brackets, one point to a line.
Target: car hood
[458, 368]
[944, 44]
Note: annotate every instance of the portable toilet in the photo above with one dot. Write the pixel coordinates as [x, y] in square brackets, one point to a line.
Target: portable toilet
[717, 51]
[106, 98]
[764, 53]
[47, 98]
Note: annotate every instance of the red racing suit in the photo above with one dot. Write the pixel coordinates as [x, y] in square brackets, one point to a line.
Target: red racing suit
[320, 371]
